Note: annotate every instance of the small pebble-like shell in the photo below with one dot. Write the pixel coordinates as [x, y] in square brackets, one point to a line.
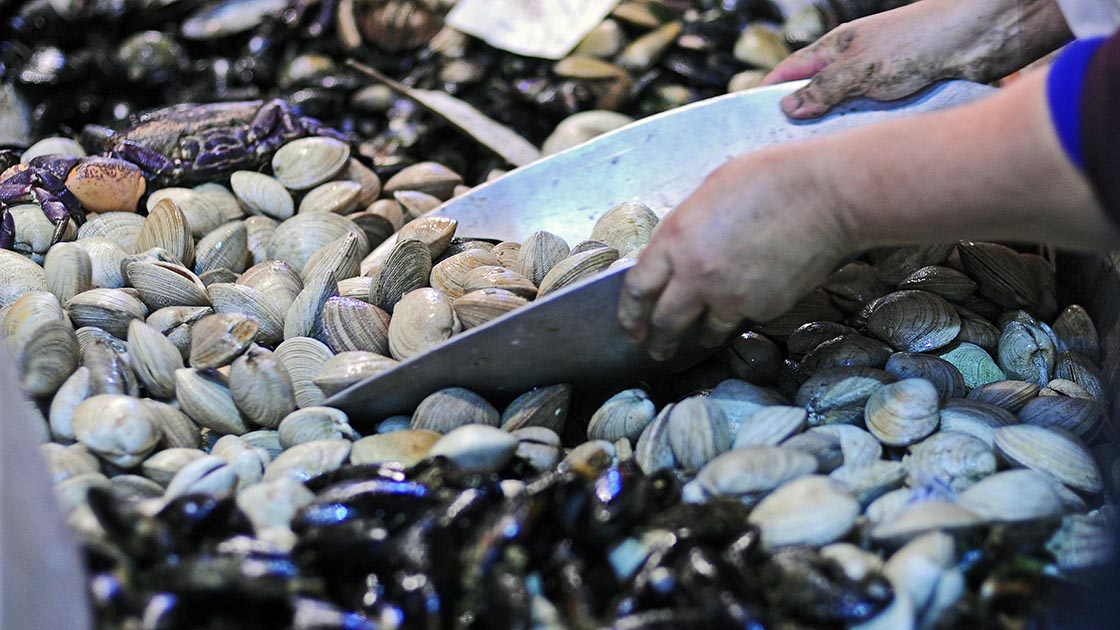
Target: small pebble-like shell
[974, 363]
[540, 447]
[69, 395]
[903, 413]
[415, 203]
[811, 510]
[479, 447]
[273, 503]
[538, 254]
[34, 231]
[1083, 542]
[167, 227]
[846, 351]
[624, 415]
[262, 194]
[176, 322]
[258, 237]
[577, 267]
[18, 275]
[645, 51]
[205, 397]
[64, 462]
[769, 426]
[202, 214]
[109, 370]
[340, 257]
[604, 41]
[949, 459]
[162, 284]
[539, 407]
[448, 274]
[1013, 496]
[227, 247]
[507, 253]
[276, 279]
[1050, 451]
[698, 432]
[370, 182]
[839, 395]
[266, 439]
[116, 428]
[750, 473]
[1080, 416]
[108, 309]
[154, 358]
[870, 481]
[106, 259]
[347, 368]
[315, 423]
[261, 387]
[236, 299]
[339, 197]
[357, 288]
[406, 269]
[478, 307]
[407, 447]
[307, 162]
[976, 418]
[453, 407]
[69, 270]
[216, 340]
[310, 459]
[977, 330]
[914, 321]
[627, 227]
[432, 178]
[29, 312]
[422, 319]
[55, 145]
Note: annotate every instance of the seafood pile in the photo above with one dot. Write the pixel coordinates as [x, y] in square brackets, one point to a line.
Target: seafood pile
[921, 442]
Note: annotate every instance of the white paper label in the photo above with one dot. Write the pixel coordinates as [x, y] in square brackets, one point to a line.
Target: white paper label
[533, 28]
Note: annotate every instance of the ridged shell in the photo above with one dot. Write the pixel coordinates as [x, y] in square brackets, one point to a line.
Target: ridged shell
[976, 418]
[227, 247]
[46, 358]
[307, 162]
[162, 466]
[1026, 352]
[259, 231]
[453, 407]
[421, 320]
[123, 228]
[507, 252]
[951, 459]
[179, 431]
[653, 451]
[69, 270]
[52, 146]
[903, 413]
[1075, 331]
[247, 462]
[261, 387]
[448, 274]
[275, 279]
[347, 368]
[370, 182]
[974, 363]
[944, 375]
[920, 518]
[110, 372]
[1001, 273]
[478, 307]
[339, 197]
[34, 231]
[1080, 416]
[408, 447]
[769, 426]
[223, 199]
[476, 447]
[242, 299]
[545, 406]
[914, 321]
[106, 258]
[1074, 367]
[304, 317]
[341, 257]
[577, 267]
[116, 428]
[1050, 451]
[202, 214]
[210, 475]
[18, 275]
[297, 239]
[812, 510]
[428, 177]
[30, 311]
[406, 269]
[270, 506]
[846, 351]
[415, 203]
[154, 358]
[854, 286]
[487, 277]
[1011, 395]
[352, 324]
[73, 391]
[310, 459]
[539, 253]
[216, 340]
[108, 309]
[166, 227]
[624, 415]
[176, 322]
[750, 473]
[977, 330]
[205, 397]
[162, 284]
[739, 399]
[315, 423]
[303, 358]
[871, 480]
[262, 194]
[1013, 496]
[756, 359]
[839, 395]
[698, 432]
[943, 281]
[357, 288]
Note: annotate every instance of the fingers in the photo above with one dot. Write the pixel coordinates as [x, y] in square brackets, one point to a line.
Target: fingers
[717, 327]
[676, 310]
[640, 290]
[832, 86]
[801, 64]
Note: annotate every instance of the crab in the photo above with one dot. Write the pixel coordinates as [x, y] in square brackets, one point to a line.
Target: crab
[180, 145]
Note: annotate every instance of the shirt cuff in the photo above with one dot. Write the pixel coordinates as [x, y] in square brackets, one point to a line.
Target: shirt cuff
[1064, 94]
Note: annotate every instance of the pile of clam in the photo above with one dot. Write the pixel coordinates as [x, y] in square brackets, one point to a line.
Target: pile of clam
[906, 407]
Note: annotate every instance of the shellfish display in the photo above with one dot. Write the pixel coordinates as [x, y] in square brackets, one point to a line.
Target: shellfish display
[924, 441]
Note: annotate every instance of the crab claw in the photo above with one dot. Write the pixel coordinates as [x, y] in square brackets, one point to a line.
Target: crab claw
[104, 184]
[7, 229]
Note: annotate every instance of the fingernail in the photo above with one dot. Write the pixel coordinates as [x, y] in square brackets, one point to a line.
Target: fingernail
[791, 102]
[662, 353]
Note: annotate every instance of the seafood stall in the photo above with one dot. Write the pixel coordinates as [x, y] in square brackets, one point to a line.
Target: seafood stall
[230, 229]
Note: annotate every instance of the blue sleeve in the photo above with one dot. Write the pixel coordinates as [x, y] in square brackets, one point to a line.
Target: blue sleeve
[1064, 89]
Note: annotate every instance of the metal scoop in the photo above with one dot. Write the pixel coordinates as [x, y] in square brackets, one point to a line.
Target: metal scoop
[572, 336]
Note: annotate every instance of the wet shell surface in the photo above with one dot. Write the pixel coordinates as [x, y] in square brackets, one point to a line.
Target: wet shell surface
[262, 194]
[307, 162]
[1050, 451]
[624, 415]
[903, 413]
[811, 510]
[449, 408]
[914, 321]
[478, 307]
[422, 319]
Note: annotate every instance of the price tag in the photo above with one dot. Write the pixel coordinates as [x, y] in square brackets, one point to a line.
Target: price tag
[534, 28]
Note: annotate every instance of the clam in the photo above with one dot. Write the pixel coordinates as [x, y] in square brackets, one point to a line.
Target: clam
[315, 423]
[923, 574]
[18, 275]
[421, 320]
[357, 288]
[1011, 395]
[176, 322]
[297, 239]
[258, 236]
[166, 227]
[478, 447]
[341, 257]
[201, 213]
[276, 279]
[976, 418]
[179, 431]
[273, 504]
[230, 298]
[624, 415]
[923, 517]
[106, 259]
[1001, 273]
[839, 395]
[974, 363]
[406, 269]
[1013, 496]
[262, 194]
[1074, 367]
[34, 231]
[815, 306]
[645, 51]
[1026, 352]
[1080, 416]
[770, 426]
[626, 228]
[415, 203]
[68, 396]
[811, 510]
[109, 371]
[507, 253]
[339, 197]
[1075, 332]
[760, 46]
[604, 41]
[432, 178]
[221, 198]
[303, 358]
[1082, 542]
[116, 428]
[261, 387]
[576, 267]
[108, 309]
[154, 358]
[216, 340]
[943, 281]
[539, 407]
[855, 285]
[123, 228]
[52, 146]
[896, 263]
[977, 330]
[581, 127]
[944, 375]
[1050, 451]
[310, 459]
[304, 316]
[846, 351]
[590, 459]
[347, 368]
[453, 407]
[751, 473]
[491, 277]
[478, 307]
[756, 359]
[248, 462]
[857, 446]
[31, 310]
[538, 254]
[948, 458]
[370, 182]
[227, 247]
[307, 162]
[206, 398]
[869, 481]
[46, 358]
[266, 439]
[69, 270]
[697, 432]
[377, 228]
[745, 80]
[914, 321]
[353, 324]
[540, 447]
[210, 475]
[902, 413]
[447, 275]
[162, 284]
[738, 399]
[161, 467]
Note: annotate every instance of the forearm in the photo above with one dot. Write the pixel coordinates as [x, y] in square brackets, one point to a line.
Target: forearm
[990, 170]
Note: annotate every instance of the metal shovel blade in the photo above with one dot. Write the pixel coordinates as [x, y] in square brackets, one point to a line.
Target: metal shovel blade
[572, 336]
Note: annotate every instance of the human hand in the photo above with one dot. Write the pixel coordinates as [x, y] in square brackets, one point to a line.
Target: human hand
[756, 236]
[897, 53]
